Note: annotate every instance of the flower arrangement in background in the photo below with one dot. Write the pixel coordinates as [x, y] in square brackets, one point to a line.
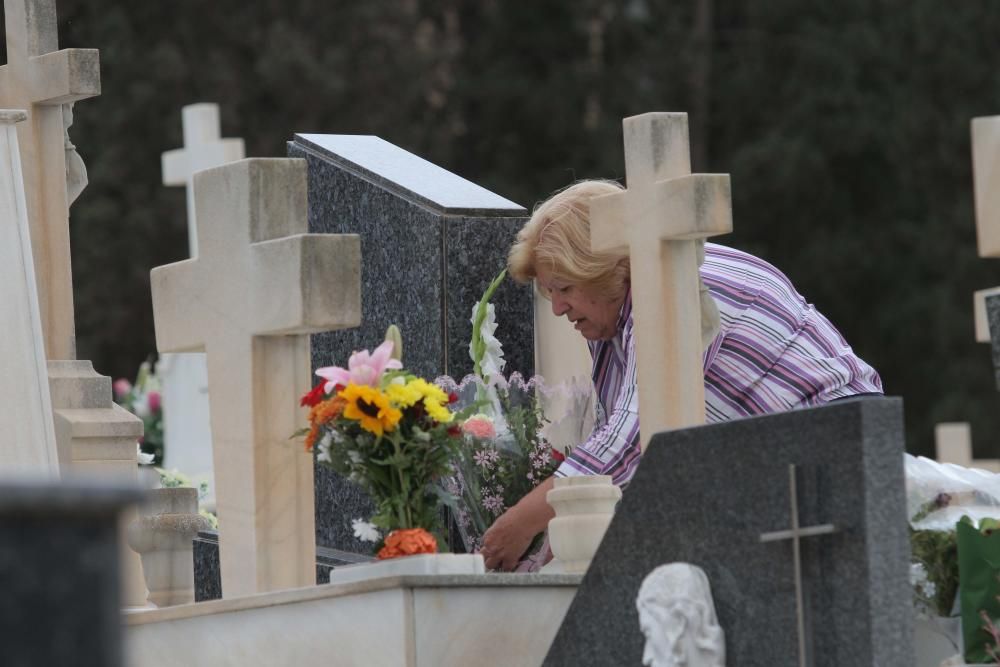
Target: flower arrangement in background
[395, 435]
[143, 399]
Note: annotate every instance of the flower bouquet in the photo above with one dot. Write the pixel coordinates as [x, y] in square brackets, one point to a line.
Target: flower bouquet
[393, 434]
[508, 444]
[143, 399]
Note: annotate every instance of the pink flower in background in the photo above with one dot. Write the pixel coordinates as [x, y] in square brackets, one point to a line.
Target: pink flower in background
[154, 401]
[363, 368]
[480, 426]
[120, 387]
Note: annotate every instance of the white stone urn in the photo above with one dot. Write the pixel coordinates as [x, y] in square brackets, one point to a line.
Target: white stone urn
[584, 506]
[162, 535]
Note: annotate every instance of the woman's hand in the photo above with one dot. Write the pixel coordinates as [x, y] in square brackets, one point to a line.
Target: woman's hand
[511, 534]
[505, 542]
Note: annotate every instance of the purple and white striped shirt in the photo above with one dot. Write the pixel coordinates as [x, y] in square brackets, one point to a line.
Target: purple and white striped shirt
[774, 352]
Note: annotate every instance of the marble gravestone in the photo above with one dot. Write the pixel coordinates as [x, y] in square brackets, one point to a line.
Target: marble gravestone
[29, 443]
[829, 539]
[431, 241]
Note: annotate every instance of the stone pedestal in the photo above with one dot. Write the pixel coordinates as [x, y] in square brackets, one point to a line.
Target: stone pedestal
[163, 535]
[96, 437]
[584, 507]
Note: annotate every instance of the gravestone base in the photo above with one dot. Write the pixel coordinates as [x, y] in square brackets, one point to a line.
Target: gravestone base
[207, 580]
[96, 437]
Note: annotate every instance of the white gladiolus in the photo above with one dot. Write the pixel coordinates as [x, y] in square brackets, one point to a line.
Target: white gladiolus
[492, 362]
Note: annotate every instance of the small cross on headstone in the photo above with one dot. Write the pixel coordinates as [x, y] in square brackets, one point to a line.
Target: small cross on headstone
[203, 149]
[258, 285]
[795, 534]
[39, 79]
[661, 218]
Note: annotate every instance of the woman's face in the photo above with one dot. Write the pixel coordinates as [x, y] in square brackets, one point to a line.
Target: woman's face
[595, 317]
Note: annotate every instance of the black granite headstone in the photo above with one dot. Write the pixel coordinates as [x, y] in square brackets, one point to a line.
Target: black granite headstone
[993, 317]
[431, 242]
[59, 573]
[705, 496]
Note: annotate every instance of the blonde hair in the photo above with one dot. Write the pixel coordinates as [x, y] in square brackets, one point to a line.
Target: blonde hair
[558, 237]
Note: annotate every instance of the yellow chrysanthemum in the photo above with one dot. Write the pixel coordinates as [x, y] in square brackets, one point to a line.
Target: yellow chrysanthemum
[437, 411]
[371, 407]
[403, 395]
[428, 391]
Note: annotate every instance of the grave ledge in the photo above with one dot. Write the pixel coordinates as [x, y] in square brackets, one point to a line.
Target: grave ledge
[324, 591]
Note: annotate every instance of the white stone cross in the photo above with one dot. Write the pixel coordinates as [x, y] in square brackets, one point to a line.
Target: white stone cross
[29, 441]
[203, 149]
[40, 79]
[795, 534]
[259, 284]
[660, 219]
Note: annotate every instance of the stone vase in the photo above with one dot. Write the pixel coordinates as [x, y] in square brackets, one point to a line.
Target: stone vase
[584, 506]
[162, 536]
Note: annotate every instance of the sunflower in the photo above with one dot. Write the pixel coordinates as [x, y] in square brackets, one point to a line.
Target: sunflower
[371, 407]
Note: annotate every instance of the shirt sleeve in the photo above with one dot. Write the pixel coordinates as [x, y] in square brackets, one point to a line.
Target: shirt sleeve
[612, 448]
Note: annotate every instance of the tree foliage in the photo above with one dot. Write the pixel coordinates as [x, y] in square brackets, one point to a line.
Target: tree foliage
[845, 127]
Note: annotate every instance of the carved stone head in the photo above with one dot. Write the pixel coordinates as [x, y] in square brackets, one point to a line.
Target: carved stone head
[677, 617]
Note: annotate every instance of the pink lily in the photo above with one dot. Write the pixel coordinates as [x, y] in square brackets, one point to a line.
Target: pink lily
[363, 368]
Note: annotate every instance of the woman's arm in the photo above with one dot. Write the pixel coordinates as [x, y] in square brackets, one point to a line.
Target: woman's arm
[510, 535]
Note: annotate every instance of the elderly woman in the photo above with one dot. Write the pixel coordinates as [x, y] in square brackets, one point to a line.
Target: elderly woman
[766, 348]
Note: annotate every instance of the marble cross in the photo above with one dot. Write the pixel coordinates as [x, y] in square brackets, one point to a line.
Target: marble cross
[260, 283]
[29, 442]
[203, 149]
[661, 218]
[40, 79]
[795, 534]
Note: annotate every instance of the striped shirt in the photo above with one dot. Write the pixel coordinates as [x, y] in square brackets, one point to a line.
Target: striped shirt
[774, 352]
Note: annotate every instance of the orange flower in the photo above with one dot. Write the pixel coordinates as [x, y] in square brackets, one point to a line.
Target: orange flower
[407, 542]
[320, 414]
[327, 411]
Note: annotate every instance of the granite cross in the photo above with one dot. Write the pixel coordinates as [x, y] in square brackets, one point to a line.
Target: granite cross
[203, 149]
[660, 219]
[39, 79]
[795, 534]
[259, 284]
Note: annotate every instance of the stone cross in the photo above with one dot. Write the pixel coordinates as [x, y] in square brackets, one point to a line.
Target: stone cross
[258, 285]
[40, 79]
[29, 443]
[203, 149]
[795, 534]
[661, 218]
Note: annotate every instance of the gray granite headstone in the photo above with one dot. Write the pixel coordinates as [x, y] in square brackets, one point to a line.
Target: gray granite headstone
[993, 317]
[59, 573]
[431, 242]
[705, 495]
